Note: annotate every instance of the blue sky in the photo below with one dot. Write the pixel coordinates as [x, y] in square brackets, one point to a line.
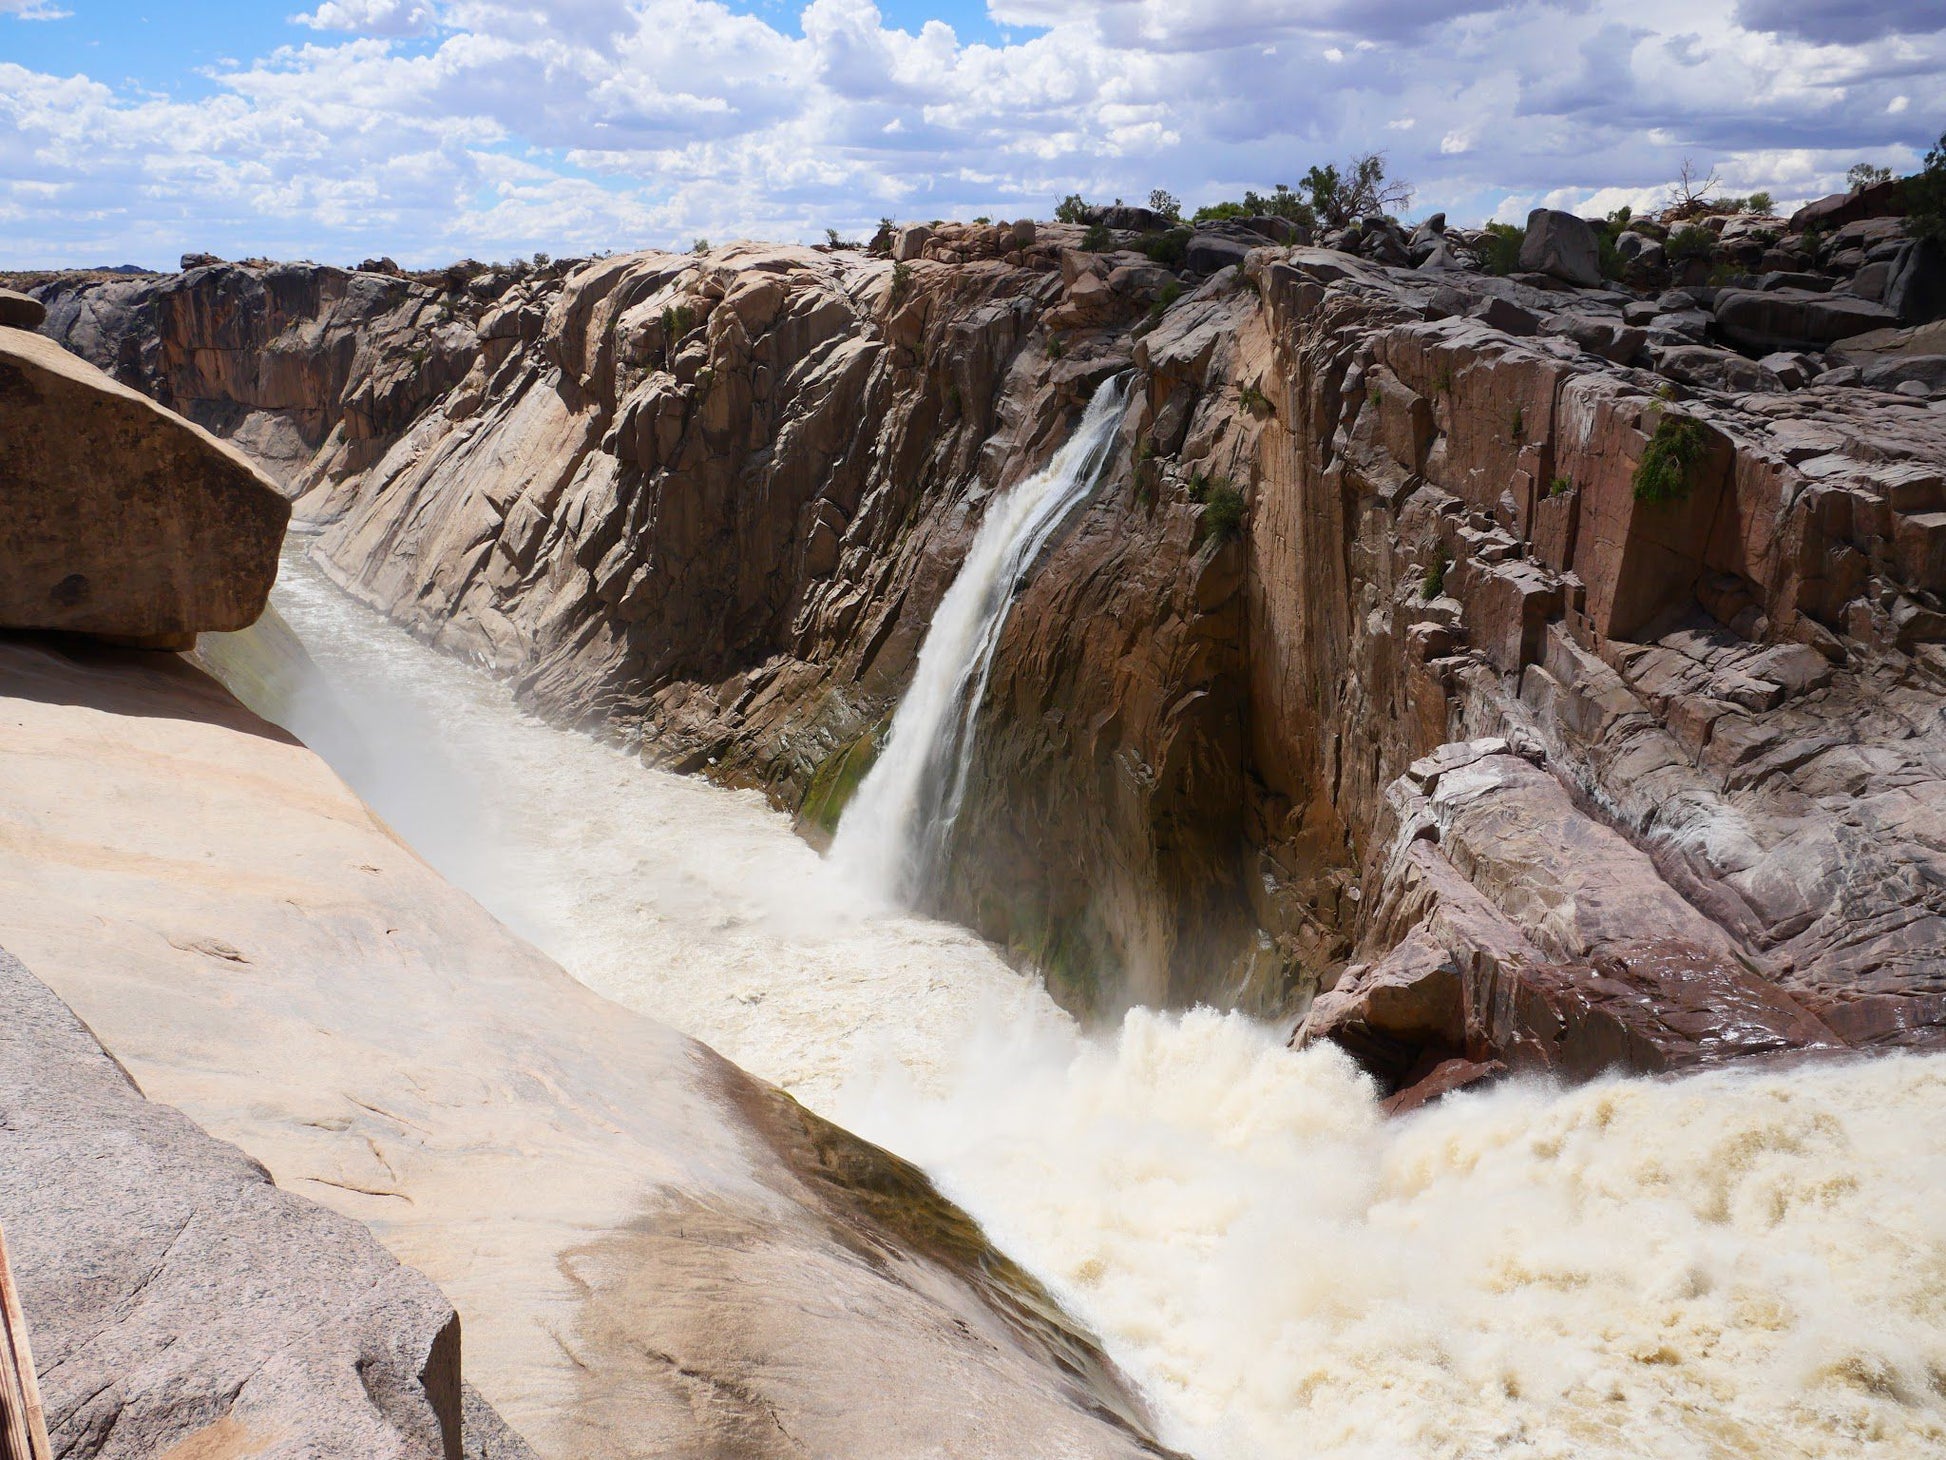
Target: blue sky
[335, 129]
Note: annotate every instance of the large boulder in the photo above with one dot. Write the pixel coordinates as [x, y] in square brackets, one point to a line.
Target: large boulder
[1562, 245]
[20, 311]
[1915, 289]
[1209, 252]
[118, 518]
[181, 1304]
[1713, 369]
[1880, 200]
[1795, 319]
[1133, 220]
[909, 243]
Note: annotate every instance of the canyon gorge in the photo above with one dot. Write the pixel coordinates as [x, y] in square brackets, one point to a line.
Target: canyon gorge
[1042, 838]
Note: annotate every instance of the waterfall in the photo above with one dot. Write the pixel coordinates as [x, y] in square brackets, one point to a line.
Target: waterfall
[896, 829]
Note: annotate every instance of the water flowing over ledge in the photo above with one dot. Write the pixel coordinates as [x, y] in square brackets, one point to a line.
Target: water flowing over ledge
[894, 835]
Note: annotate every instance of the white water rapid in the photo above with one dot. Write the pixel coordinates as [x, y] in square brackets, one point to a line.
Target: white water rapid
[894, 833]
[1730, 1266]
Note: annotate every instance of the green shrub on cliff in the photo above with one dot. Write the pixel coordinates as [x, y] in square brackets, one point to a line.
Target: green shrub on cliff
[1279, 202]
[1222, 513]
[1500, 248]
[1688, 243]
[1666, 470]
[1169, 249]
[1434, 583]
[677, 321]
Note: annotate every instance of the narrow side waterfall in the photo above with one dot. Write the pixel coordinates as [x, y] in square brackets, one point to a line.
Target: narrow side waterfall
[1732, 1267]
[895, 832]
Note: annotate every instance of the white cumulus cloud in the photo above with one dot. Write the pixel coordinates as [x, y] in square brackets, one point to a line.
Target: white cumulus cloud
[371, 17]
[491, 127]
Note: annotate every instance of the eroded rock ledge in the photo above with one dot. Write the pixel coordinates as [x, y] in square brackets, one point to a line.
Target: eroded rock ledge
[711, 503]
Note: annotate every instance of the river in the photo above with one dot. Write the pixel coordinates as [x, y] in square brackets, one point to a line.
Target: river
[1730, 1265]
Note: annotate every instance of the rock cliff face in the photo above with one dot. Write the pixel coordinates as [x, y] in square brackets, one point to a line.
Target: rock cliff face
[1469, 651]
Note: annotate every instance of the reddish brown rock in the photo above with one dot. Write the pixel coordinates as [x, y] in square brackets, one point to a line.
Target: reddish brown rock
[118, 518]
[1540, 940]
[1442, 1080]
[1879, 200]
[20, 311]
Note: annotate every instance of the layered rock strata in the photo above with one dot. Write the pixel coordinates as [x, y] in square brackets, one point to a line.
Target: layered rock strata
[652, 1253]
[1360, 512]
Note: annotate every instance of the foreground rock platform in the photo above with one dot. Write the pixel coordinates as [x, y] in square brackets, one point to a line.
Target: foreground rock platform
[118, 518]
[651, 1252]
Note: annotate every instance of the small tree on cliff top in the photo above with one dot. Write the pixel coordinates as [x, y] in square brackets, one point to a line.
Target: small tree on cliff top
[1360, 189]
[1690, 193]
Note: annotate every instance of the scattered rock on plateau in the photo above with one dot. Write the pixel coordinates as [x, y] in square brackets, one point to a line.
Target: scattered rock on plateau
[1880, 200]
[1563, 246]
[1915, 288]
[1713, 369]
[21, 311]
[117, 517]
[909, 243]
[1786, 319]
[1208, 252]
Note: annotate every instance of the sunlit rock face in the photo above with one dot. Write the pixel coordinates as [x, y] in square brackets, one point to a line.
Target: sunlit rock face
[1357, 513]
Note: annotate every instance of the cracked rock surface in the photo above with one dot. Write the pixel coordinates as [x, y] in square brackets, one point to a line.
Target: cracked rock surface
[177, 1301]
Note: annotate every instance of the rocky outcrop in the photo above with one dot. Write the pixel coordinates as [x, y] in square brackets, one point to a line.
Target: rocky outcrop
[182, 1304]
[1561, 245]
[20, 311]
[1493, 552]
[263, 356]
[1360, 511]
[118, 518]
[652, 1253]
[1518, 933]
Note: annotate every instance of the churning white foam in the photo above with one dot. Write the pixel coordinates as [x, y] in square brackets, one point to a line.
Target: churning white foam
[1746, 1266]
[1729, 1265]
